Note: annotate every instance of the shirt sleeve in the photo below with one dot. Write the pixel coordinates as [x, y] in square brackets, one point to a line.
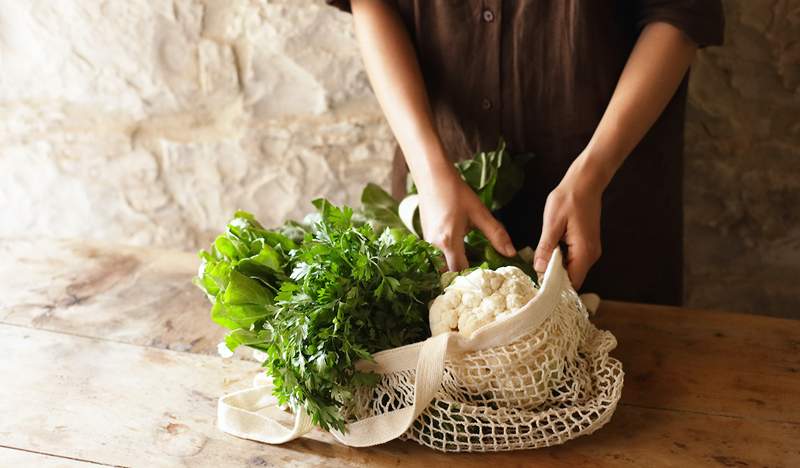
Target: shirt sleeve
[702, 21]
[343, 5]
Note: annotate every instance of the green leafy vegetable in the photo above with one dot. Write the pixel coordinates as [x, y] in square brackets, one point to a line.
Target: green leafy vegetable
[318, 295]
[317, 305]
[480, 252]
[495, 176]
[379, 208]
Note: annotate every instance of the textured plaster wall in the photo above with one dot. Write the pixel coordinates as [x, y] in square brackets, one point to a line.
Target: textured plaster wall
[742, 183]
[149, 121]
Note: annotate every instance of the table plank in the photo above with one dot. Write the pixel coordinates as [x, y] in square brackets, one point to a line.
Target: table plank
[129, 294]
[692, 360]
[121, 404]
[708, 362]
[21, 458]
[692, 371]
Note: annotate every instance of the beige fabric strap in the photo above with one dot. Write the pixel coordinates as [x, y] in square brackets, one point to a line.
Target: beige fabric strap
[392, 424]
[242, 413]
[591, 301]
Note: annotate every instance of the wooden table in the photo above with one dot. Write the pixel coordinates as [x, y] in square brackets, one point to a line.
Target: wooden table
[108, 357]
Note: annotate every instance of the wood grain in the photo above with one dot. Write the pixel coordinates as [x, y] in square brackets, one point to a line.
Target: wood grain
[707, 362]
[121, 404]
[21, 458]
[129, 294]
[108, 356]
[701, 361]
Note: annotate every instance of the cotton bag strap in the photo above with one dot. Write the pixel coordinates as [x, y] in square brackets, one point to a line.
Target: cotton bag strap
[242, 413]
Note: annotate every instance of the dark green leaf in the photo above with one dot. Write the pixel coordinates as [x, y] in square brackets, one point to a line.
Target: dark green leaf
[374, 196]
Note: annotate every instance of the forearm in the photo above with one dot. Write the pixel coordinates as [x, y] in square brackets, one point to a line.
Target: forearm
[655, 69]
[394, 73]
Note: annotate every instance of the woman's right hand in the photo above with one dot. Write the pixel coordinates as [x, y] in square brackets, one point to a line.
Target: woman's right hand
[448, 209]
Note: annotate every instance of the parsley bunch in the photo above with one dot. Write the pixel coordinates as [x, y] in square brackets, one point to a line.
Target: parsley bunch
[318, 296]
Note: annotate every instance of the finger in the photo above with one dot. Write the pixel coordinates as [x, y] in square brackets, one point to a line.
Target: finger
[456, 261]
[580, 258]
[452, 246]
[495, 232]
[552, 231]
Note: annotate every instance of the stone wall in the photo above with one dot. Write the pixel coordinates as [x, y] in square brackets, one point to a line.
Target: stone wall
[149, 121]
[742, 205]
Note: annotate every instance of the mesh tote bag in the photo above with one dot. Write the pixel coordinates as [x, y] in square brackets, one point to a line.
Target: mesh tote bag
[540, 377]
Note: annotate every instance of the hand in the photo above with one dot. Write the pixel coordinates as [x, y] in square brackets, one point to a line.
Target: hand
[448, 209]
[572, 214]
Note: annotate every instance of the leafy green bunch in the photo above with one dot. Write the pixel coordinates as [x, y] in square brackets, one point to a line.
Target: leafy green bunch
[318, 295]
[317, 305]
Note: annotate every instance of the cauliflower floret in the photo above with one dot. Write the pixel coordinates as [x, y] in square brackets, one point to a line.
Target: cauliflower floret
[479, 298]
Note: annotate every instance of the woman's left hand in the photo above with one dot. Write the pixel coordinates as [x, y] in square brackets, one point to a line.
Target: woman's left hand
[653, 72]
[572, 214]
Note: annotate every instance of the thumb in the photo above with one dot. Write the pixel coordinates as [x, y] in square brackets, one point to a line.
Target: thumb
[552, 231]
[495, 232]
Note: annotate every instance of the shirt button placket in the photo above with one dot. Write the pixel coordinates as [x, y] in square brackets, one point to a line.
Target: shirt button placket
[490, 105]
[487, 16]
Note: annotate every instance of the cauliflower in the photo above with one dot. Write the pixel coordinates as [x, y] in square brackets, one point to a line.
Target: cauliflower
[479, 298]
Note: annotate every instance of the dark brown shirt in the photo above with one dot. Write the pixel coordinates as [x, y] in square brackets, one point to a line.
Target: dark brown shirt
[540, 74]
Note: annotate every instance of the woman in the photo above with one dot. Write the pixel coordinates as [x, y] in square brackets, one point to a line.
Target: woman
[585, 85]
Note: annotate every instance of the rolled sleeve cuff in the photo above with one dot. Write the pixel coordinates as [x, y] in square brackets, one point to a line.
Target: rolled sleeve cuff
[702, 21]
[343, 5]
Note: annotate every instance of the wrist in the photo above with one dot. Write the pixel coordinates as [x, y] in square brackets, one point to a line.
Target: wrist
[590, 172]
[430, 166]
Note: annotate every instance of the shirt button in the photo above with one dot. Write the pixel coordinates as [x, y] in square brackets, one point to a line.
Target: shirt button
[488, 16]
[486, 104]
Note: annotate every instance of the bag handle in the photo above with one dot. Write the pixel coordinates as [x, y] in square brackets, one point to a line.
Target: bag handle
[392, 424]
[591, 301]
[242, 413]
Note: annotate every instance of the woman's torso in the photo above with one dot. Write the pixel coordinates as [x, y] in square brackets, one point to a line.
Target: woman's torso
[540, 74]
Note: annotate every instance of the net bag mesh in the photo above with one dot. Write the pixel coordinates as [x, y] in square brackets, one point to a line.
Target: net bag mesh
[550, 385]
